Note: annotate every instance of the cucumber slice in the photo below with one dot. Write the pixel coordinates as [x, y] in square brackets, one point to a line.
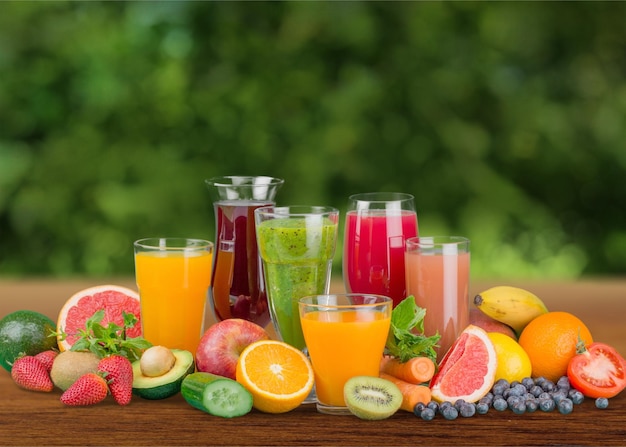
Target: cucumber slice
[216, 395]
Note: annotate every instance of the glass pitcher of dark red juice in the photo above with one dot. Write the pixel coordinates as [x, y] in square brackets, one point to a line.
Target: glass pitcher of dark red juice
[237, 286]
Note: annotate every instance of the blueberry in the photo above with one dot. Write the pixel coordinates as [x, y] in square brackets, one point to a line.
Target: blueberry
[467, 410]
[459, 403]
[531, 406]
[499, 387]
[488, 398]
[544, 395]
[528, 382]
[559, 395]
[576, 396]
[536, 390]
[565, 406]
[514, 400]
[428, 414]
[518, 407]
[433, 405]
[499, 403]
[563, 383]
[444, 405]
[602, 403]
[518, 390]
[548, 386]
[450, 413]
[482, 407]
[546, 404]
[419, 407]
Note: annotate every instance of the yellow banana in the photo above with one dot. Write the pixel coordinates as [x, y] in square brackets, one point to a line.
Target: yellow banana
[510, 305]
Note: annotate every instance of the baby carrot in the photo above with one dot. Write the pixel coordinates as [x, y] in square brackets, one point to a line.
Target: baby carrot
[412, 394]
[415, 370]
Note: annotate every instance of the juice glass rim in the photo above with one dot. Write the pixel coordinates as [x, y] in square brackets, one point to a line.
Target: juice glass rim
[429, 241]
[309, 301]
[244, 180]
[295, 210]
[172, 244]
[381, 197]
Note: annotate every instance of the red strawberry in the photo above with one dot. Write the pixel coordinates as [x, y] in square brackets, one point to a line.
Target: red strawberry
[29, 373]
[47, 358]
[119, 375]
[89, 389]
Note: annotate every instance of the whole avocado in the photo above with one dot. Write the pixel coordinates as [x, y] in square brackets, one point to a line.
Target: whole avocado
[27, 332]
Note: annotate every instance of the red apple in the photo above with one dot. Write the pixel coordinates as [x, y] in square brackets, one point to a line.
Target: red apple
[480, 319]
[222, 343]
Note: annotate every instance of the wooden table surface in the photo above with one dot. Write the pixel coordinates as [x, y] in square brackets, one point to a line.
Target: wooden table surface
[28, 418]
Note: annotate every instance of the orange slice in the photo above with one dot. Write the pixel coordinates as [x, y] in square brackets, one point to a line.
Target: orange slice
[468, 369]
[278, 376]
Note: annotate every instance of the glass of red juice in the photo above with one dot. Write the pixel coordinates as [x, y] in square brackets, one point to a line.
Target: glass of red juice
[377, 226]
[437, 275]
[237, 285]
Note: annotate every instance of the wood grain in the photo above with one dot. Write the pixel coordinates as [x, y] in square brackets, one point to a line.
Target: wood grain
[28, 418]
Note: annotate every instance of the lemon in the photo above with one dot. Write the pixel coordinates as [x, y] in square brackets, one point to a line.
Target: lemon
[513, 362]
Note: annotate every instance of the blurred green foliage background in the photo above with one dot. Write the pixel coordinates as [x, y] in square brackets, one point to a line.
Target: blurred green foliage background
[506, 120]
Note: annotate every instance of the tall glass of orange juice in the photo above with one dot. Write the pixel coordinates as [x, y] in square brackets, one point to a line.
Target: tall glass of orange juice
[345, 336]
[173, 276]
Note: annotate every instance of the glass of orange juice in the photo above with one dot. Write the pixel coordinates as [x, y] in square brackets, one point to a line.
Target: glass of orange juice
[173, 276]
[345, 336]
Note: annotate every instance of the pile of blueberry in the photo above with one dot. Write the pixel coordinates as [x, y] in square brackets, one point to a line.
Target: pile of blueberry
[526, 396]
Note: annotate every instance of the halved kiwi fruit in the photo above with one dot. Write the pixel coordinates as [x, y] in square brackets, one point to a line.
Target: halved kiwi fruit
[371, 398]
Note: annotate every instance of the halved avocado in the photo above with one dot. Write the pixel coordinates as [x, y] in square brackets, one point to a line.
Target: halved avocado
[169, 383]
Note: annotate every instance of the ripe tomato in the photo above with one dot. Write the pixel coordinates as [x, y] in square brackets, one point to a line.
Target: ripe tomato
[598, 371]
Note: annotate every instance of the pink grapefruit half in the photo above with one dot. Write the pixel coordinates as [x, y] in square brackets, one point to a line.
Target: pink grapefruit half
[114, 300]
[468, 369]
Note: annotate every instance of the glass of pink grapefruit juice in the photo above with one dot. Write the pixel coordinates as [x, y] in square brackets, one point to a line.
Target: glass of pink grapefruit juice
[377, 225]
[345, 336]
[173, 276]
[437, 275]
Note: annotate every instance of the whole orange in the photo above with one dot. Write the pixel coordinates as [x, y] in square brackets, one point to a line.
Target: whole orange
[550, 342]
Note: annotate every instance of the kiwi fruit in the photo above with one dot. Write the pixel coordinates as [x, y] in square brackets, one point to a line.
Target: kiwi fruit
[371, 398]
[68, 366]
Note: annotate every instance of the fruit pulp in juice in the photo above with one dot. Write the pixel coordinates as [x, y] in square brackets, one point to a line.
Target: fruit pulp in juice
[342, 345]
[237, 284]
[440, 284]
[297, 261]
[173, 290]
[373, 260]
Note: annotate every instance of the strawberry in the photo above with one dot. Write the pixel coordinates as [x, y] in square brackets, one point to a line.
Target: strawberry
[29, 373]
[47, 358]
[119, 375]
[89, 389]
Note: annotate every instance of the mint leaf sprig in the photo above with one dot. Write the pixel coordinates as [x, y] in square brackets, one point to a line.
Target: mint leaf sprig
[111, 339]
[406, 337]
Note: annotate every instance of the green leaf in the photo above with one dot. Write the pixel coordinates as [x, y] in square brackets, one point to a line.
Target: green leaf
[406, 338]
[110, 339]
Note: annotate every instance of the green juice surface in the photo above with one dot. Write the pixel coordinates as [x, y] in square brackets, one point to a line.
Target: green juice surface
[297, 258]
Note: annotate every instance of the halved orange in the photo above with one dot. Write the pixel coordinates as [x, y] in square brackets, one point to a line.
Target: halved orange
[278, 376]
[468, 369]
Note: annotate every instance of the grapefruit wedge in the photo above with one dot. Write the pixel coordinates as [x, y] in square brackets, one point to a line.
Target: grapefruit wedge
[114, 300]
[468, 369]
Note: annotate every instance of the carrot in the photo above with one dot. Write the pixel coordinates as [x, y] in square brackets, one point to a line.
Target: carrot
[412, 394]
[416, 370]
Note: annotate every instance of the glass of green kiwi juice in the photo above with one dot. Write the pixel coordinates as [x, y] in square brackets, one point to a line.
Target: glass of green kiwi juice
[297, 245]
